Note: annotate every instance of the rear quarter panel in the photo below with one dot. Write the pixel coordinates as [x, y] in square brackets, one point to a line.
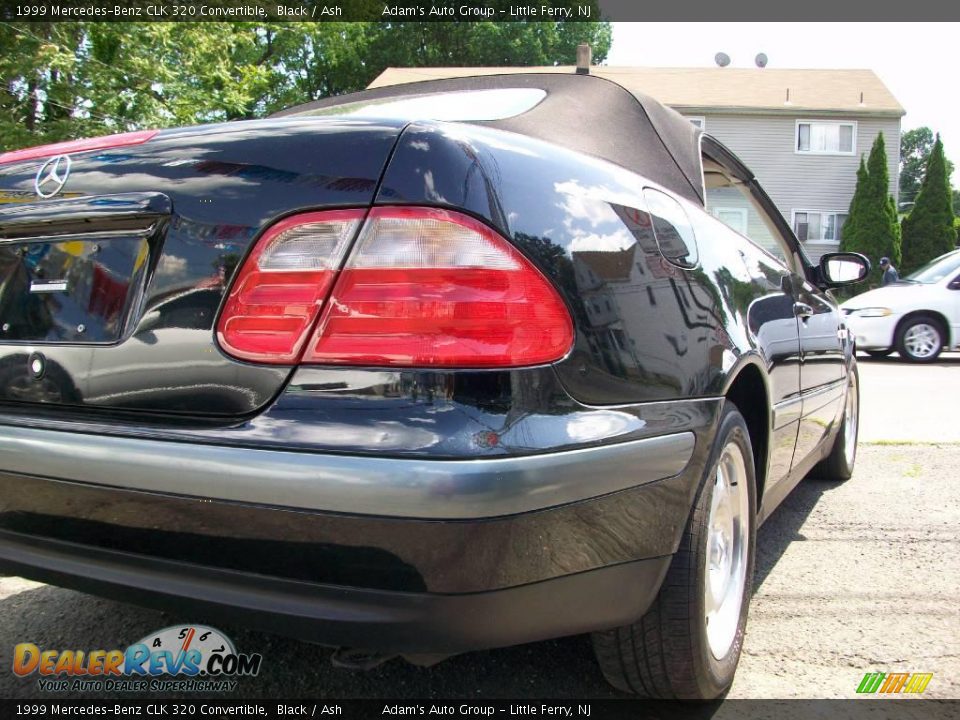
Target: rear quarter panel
[646, 329]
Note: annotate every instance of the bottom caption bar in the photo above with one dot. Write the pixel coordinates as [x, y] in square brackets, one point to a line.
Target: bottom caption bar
[625, 708]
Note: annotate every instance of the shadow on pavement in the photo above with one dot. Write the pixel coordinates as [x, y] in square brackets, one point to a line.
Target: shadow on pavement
[54, 618]
[783, 527]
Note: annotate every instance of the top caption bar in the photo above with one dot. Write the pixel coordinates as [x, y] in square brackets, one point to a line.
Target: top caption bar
[296, 10]
[859, 11]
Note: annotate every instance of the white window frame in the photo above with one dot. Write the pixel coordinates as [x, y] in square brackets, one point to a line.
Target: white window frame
[821, 213]
[694, 119]
[742, 212]
[844, 153]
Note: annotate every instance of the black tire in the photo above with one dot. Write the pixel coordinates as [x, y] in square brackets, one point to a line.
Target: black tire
[666, 654]
[879, 353]
[923, 324]
[838, 465]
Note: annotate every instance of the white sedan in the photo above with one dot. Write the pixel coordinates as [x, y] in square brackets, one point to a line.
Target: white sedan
[917, 316]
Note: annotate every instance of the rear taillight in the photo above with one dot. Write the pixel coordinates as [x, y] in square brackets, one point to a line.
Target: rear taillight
[277, 295]
[428, 287]
[422, 288]
[75, 146]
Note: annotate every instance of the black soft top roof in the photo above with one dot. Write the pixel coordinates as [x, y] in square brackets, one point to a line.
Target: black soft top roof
[581, 112]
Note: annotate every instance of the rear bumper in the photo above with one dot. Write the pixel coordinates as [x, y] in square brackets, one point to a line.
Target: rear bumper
[353, 617]
[405, 555]
[361, 485]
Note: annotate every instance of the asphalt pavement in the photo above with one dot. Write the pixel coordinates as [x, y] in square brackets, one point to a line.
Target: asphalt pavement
[910, 403]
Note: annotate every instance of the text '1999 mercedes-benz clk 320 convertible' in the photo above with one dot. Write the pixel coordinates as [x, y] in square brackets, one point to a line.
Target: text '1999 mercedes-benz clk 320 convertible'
[421, 370]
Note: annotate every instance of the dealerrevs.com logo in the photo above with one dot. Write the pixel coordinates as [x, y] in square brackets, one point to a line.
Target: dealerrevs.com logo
[192, 658]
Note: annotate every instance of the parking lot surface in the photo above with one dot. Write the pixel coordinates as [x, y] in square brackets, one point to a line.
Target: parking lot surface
[912, 403]
[851, 578]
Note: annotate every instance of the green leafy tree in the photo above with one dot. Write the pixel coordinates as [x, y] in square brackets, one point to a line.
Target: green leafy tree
[66, 80]
[915, 148]
[871, 227]
[928, 231]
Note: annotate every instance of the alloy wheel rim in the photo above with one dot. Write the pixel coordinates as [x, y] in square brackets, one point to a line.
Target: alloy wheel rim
[921, 340]
[727, 541]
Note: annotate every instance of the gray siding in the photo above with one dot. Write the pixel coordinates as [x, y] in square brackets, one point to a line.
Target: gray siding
[803, 182]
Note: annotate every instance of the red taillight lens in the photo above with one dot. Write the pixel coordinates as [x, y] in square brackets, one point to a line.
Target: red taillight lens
[422, 288]
[76, 146]
[277, 294]
[434, 288]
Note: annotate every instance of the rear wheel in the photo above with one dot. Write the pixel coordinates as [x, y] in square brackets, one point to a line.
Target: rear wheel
[920, 339]
[838, 465]
[688, 643]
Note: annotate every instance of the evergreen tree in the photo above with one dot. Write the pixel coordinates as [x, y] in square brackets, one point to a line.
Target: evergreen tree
[872, 227]
[894, 216]
[849, 230]
[915, 148]
[928, 231]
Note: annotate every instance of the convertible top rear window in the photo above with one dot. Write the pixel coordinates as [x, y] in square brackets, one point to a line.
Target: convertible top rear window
[462, 106]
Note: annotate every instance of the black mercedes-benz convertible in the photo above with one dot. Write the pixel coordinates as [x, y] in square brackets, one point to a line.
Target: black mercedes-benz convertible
[420, 370]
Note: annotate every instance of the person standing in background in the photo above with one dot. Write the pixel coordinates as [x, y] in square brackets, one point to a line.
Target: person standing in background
[889, 272]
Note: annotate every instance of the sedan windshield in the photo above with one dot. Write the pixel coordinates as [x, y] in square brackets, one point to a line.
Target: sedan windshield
[935, 270]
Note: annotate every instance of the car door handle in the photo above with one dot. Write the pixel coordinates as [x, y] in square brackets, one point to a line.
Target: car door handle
[802, 310]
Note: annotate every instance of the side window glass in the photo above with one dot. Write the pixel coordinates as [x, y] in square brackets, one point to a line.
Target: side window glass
[672, 228]
[732, 203]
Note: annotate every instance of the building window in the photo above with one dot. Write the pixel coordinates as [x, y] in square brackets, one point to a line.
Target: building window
[698, 122]
[816, 226]
[827, 138]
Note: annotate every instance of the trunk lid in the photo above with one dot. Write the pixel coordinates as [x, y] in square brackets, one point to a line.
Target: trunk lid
[110, 288]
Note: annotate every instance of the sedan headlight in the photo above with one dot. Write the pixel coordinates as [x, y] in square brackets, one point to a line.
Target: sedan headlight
[871, 312]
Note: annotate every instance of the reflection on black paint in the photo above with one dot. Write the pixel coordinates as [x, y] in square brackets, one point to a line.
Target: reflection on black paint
[18, 384]
[449, 413]
[107, 295]
[74, 290]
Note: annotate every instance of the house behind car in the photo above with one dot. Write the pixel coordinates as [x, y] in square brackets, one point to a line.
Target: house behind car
[801, 131]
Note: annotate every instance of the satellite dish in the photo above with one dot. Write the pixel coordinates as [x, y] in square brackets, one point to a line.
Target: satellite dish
[761, 60]
[721, 59]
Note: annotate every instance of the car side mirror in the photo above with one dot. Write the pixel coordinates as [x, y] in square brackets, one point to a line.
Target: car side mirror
[843, 268]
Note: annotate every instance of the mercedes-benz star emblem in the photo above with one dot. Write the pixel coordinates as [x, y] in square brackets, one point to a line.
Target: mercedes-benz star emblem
[52, 176]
